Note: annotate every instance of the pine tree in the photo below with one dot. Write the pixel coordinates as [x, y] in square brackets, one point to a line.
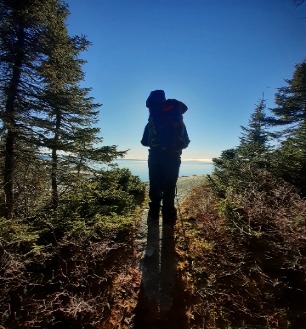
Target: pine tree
[290, 112]
[21, 25]
[237, 166]
[87, 155]
[70, 113]
[43, 105]
[254, 147]
[255, 137]
[290, 115]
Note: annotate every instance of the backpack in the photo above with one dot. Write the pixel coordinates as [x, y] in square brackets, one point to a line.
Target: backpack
[166, 130]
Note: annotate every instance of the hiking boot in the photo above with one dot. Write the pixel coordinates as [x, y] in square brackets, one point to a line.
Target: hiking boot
[169, 215]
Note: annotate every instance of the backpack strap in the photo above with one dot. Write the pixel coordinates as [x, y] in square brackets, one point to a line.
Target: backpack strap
[153, 137]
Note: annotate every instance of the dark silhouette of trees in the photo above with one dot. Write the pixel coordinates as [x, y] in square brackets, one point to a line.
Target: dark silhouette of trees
[237, 166]
[254, 138]
[44, 110]
[287, 158]
[289, 116]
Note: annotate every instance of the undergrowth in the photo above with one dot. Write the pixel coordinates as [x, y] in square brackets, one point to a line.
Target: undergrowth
[75, 268]
[69, 285]
[243, 257]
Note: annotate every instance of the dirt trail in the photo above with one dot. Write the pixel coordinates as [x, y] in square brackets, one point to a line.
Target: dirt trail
[161, 298]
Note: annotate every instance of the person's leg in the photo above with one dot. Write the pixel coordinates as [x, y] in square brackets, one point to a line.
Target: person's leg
[155, 184]
[171, 172]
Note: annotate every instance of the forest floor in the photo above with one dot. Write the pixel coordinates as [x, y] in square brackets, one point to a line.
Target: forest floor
[161, 300]
[220, 266]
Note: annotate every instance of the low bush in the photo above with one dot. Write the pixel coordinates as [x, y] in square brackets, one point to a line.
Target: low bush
[60, 269]
[243, 257]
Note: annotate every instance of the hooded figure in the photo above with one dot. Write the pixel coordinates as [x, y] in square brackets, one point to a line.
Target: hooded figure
[166, 136]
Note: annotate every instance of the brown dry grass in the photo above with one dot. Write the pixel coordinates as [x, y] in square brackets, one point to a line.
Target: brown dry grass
[243, 259]
[75, 284]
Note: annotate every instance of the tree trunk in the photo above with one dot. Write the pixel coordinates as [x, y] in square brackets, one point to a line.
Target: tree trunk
[8, 174]
[54, 168]
[54, 179]
[11, 128]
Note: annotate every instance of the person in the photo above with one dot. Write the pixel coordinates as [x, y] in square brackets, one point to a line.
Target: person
[166, 136]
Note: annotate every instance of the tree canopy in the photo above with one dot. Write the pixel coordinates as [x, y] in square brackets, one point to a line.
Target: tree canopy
[44, 110]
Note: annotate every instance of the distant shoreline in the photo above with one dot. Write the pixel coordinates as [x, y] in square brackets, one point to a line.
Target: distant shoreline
[139, 167]
[183, 160]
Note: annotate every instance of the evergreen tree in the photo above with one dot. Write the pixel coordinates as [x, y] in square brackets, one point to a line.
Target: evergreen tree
[70, 113]
[87, 155]
[254, 138]
[289, 160]
[236, 167]
[42, 103]
[21, 25]
[290, 115]
[290, 112]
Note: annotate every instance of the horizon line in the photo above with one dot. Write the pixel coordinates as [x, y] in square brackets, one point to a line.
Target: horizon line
[183, 160]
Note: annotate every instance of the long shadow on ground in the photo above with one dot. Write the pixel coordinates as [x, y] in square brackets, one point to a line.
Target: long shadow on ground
[161, 298]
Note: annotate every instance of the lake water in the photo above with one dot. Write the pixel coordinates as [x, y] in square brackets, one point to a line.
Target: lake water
[188, 168]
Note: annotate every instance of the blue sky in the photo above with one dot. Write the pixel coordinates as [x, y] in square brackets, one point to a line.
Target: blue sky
[218, 57]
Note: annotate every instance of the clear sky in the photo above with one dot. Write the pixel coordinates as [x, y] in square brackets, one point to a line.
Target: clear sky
[217, 56]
